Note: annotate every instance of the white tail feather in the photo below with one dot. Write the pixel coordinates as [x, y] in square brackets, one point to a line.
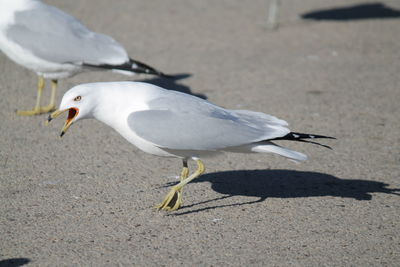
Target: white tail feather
[285, 152]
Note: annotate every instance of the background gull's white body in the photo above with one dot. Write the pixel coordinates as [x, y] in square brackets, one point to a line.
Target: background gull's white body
[50, 42]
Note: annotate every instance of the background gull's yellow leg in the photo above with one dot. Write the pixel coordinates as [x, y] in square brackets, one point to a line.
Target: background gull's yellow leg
[36, 109]
[52, 104]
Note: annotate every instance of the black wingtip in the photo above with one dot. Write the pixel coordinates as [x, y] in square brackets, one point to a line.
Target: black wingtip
[301, 137]
[131, 66]
[297, 136]
[314, 143]
[140, 67]
[176, 77]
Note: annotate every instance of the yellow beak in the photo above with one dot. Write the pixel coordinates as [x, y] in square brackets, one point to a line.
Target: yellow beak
[72, 113]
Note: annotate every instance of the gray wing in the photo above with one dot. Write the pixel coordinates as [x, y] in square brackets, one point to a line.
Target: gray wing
[55, 36]
[184, 122]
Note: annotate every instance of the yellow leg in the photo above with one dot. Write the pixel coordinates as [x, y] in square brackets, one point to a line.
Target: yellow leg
[52, 105]
[173, 200]
[38, 109]
[184, 175]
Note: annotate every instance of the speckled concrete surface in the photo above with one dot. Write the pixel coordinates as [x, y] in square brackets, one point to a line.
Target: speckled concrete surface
[86, 199]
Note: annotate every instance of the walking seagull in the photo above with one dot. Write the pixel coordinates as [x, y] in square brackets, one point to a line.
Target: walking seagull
[173, 124]
[56, 45]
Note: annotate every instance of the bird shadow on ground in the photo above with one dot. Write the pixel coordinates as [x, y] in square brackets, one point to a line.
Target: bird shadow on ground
[14, 262]
[355, 12]
[265, 184]
[170, 83]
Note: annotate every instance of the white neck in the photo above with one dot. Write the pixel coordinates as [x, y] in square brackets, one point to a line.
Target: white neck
[117, 103]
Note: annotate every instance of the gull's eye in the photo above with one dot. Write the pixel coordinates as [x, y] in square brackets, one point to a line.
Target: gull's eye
[78, 98]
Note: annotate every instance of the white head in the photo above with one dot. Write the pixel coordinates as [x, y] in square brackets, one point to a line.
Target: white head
[80, 102]
[105, 101]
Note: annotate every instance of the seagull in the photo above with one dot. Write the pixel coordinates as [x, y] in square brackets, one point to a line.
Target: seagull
[56, 45]
[173, 124]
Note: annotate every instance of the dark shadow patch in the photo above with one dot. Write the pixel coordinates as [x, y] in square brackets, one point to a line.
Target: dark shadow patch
[14, 262]
[356, 12]
[265, 184]
[171, 83]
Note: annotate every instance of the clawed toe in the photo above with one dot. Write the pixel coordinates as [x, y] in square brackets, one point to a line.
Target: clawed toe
[36, 111]
[171, 202]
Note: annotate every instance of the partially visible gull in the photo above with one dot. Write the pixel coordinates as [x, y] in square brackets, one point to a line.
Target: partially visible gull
[56, 45]
[173, 124]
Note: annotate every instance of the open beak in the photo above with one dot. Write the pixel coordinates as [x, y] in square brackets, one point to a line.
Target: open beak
[72, 113]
